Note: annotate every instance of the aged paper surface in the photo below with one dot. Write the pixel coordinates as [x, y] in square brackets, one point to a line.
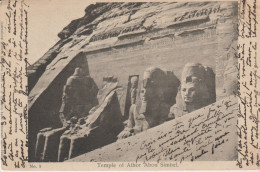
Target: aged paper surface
[39, 133]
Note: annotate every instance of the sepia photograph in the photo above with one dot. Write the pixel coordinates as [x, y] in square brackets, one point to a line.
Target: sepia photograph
[128, 77]
[129, 85]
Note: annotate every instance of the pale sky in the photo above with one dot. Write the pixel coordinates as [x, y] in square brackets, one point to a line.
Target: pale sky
[46, 19]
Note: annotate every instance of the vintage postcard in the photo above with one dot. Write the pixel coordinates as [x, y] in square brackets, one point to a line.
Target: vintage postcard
[130, 85]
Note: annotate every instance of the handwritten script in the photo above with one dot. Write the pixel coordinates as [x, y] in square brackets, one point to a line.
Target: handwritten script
[14, 52]
[226, 130]
[206, 134]
[248, 86]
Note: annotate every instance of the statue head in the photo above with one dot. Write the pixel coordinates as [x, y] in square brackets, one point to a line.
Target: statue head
[78, 73]
[191, 71]
[73, 82]
[152, 88]
[134, 81]
[189, 92]
[152, 85]
[195, 84]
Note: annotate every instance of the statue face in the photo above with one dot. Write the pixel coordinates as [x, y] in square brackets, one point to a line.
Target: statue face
[134, 82]
[148, 91]
[152, 90]
[189, 92]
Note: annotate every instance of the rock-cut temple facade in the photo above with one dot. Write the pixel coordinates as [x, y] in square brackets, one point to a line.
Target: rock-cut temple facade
[126, 71]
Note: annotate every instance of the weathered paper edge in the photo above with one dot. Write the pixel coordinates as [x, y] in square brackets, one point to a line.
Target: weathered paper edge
[92, 166]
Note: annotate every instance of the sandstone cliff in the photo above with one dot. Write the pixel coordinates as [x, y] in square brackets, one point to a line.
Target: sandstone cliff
[123, 39]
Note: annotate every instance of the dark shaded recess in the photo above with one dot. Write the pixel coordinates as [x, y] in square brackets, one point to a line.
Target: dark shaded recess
[131, 44]
[211, 76]
[110, 79]
[130, 35]
[128, 97]
[172, 88]
[45, 110]
[65, 42]
[36, 70]
[162, 36]
[64, 149]
[189, 23]
[40, 146]
[87, 31]
[101, 50]
[52, 146]
[102, 36]
[193, 32]
[44, 151]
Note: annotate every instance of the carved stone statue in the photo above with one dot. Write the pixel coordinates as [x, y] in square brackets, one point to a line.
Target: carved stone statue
[79, 95]
[99, 128]
[154, 106]
[133, 89]
[196, 91]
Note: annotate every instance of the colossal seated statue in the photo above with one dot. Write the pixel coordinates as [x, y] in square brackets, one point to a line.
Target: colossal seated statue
[99, 128]
[154, 106]
[196, 91]
[79, 96]
[82, 133]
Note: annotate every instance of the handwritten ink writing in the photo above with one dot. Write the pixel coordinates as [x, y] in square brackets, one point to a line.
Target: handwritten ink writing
[14, 52]
[197, 136]
[248, 119]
